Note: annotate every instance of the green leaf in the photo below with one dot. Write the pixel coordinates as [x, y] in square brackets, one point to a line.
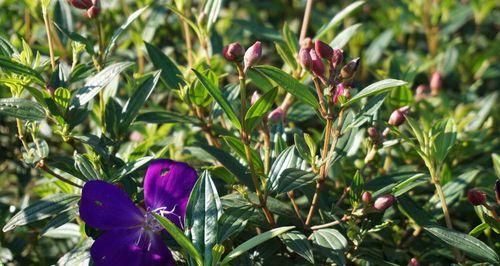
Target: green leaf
[61, 219]
[376, 88]
[86, 168]
[291, 85]
[291, 39]
[121, 29]
[343, 37]
[454, 189]
[468, 244]
[112, 116]
[95, 84]
[286, 54]
[298, 243]
[41, 209]
[203, 210]
[76, 38]
[253, 242]
[22, 109]
[374, 52]
[447, 134]
[238, 146]
[291, 179]
[289, 158]
[496, 163]
[171, 76]
[217, 95]
[212, 8]
[180, 238]
[331, 243]
[338, 18]
[166, 117]
[7, 65]
[369, 111]
[259, 31]
[129, 168]
[137, 100]
[6, 48]
[479, 229]
[259, 109]
[233, 221]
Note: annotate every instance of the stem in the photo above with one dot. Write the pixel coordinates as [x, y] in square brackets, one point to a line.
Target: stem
[344, 218]
[20, 134]
[321, 97]
[267, 147]
[248, 151]
[46, 20]
[296, 208]
[305, 21]
[41, 165]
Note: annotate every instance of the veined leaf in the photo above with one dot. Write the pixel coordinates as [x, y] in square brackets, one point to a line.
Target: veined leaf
[121, 29]
[376, 88]
[238, 146]
[344, 36]
[212, 8]
[170, 74]
[11, 66]
[331, 243]
[259, 109]
[291, 179]
[166, 117]
[233, 221]
[298, 243]
[22, 109]
[338, 17]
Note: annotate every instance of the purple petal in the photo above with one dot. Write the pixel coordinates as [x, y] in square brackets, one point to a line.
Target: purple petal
[130, 247]
[105, 206]
[168, 185]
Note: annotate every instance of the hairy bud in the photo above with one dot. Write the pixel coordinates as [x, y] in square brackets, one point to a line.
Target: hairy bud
[255, 97]
[93, 12]
[413, 262]
[476, 197]
[81, 4]
[436, 82]
[323, 50]
[384, 202]
[349, 70]
[276, 115]
[233, 52]
[305, 59]
[307, 43]
[398, 117]
[318, 68]
[253, 55]
[373, 133]
[337, 58]
[366, 197]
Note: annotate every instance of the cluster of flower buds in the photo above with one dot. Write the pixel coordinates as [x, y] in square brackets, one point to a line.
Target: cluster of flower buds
[234, 52]
[311, 58]
[476, 197]
[92, 7]
[382, 203]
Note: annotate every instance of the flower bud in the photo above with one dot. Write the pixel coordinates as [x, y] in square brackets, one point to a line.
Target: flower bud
[497, 191]
[366, 197]
[348, 71]
[373, 134]
[305, 59]
[384, 202]
[476, 197]
[252, 55]
[398, 117]
[323, 50]
[413, 262]
[307, 43]
[276, 115]
[436, 83]
[421, 92]
[255, 97]
[233, 52]
[341, 90]
[318, 68]
[81, 4]
[337, 58]
[93, 12]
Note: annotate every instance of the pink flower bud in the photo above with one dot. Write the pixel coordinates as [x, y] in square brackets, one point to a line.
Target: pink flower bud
[318, 68]
[81, 4]
[50, 89]
[252, 55]
[421, 92]
[476, 197]
[413, 262]
[93, 12]
[307, 43]
[436, 83]
[233, 52]
[323, 50]
[384, 202]
[305, 59]
[398, 117]
[136, 136]
[276, 115]
[373, 133]
[341, 90]
[348, 71]
[337, 58]
[255, 97]
[366, 197]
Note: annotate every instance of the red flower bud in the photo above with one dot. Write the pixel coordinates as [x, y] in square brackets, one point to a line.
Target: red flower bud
[384, 202]
[233, 52]
[373, 133]
[305, 59]
[81, 4]
[476, 197]
[255, 97]
[413, 262]
[276, 115]
[341, 90]
[318, 68]
[436, 83]
[337, 58]
[323, 50]
[252, 55]
[93, 12]
[348, 71]
[366, 197]
[398, 117]
[307, 43]
[497, 191]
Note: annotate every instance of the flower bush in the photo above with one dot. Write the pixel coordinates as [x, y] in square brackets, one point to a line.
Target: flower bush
[249, 132]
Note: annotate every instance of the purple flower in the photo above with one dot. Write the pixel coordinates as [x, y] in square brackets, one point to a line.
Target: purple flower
[132, 236]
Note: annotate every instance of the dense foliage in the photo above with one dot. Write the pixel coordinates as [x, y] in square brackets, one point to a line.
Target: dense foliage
[297, 132]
